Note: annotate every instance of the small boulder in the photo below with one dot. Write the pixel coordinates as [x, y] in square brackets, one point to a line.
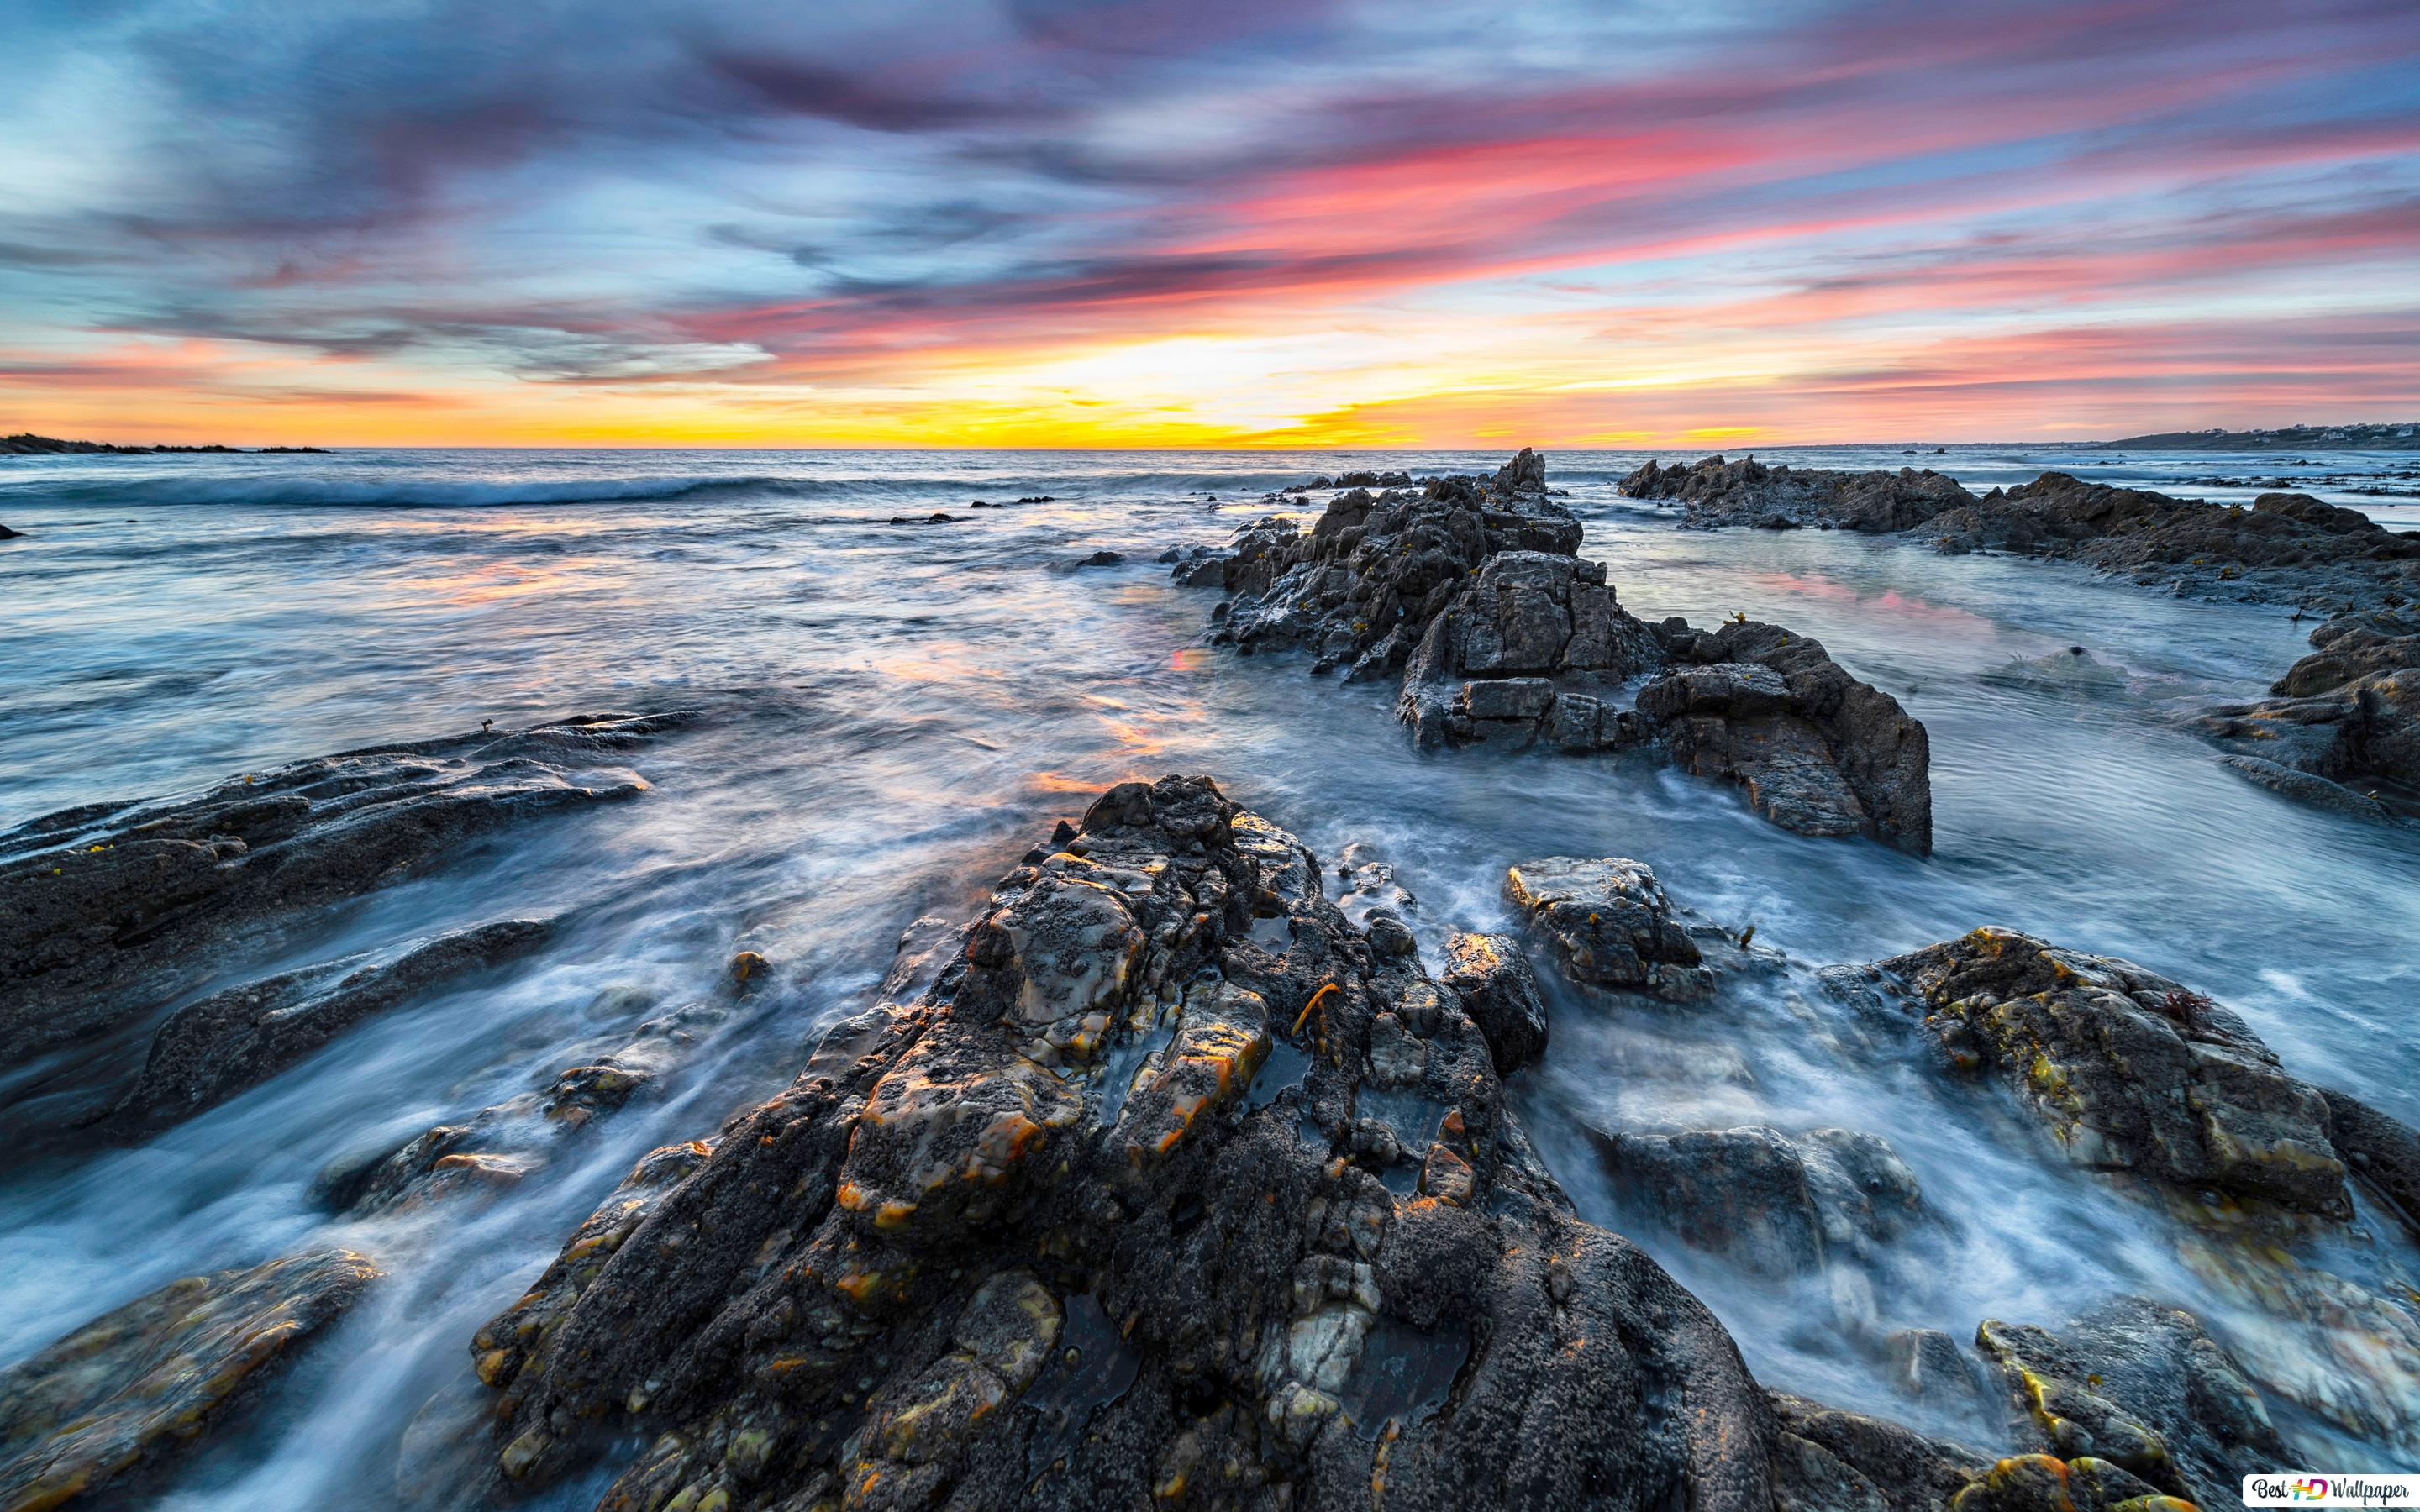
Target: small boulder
[1609, 924]
[1500, 992]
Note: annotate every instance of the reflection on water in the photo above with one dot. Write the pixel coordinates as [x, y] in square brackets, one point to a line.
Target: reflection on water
[894, 713]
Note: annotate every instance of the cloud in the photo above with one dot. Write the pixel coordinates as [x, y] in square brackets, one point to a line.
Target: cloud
[641, 194]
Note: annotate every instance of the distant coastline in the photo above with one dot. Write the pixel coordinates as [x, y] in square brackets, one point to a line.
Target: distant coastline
[2391, 437]
[26, 444]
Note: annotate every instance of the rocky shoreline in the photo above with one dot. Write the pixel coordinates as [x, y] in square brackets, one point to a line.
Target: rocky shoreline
[2345, 730]
[1182, 1171]
[1165, 1181]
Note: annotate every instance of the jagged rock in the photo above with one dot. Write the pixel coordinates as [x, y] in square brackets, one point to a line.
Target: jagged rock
[2348, 714]
[8, 534]
[97, 1411]
[209, 1051]
[2142, 1387]
[105, 904]
[2382, 1152]
[1609, 924]
[2026, 1483]
[2286, 548]
[1500, 992]
[1126, 1204]
[1775, 1204]
[1819, 751]
[1473, 591]
[1747, 492]
[1101, 559]
[2129, 1071]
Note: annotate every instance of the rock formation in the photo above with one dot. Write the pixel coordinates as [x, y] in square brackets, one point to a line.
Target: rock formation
[1472, 590]
[1136, 1203]
[1747, 492]
[105, 904]
[2348, 714]
[2128, 1070]
[2286, 548]
[99, 1412]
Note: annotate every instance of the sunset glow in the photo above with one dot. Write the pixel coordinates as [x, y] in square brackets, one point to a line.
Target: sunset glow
[1136, 223]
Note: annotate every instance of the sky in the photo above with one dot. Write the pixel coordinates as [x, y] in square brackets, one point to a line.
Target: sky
[1163, 223]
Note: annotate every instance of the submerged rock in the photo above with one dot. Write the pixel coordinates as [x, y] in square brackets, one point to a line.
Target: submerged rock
[97, 1412]
[230, 1042]
[1133, 1201]
[1773, 1203]
[108, 906]
[1473, 592]
[2129, 1071]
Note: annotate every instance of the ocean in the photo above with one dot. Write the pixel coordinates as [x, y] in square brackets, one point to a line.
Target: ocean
[890, 713]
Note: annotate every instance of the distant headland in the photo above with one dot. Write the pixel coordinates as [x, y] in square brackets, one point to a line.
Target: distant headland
[2389, 437]
[28, 445]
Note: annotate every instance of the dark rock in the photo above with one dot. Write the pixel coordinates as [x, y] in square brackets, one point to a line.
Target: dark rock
[8, 534]
[1819, 751]
[2145, 1388]
[1499, 990]
[2287, 548]
[2382, 1152]
[1472, 591]
[2129, 1071]
[1926, 1366]
[106, 904]
[24, 444]
[1775, 1204]
[1838, 1461]
[939, 518]
[2348, 714]
[98, 1412]
[1609, 924]
[1747, 492]
[1105, 1213]
[209, 1051]
[1101, 559]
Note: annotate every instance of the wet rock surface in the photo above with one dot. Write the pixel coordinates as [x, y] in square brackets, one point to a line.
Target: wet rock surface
[106, 904]
[1111, 1214]
[100, 1410]
[1774, 1203]
[1472, 591]
[209, 1051]
[2348, 714]
[2144, 1388]
[1610, 923]
[2286, 548]
[2129, 1071]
